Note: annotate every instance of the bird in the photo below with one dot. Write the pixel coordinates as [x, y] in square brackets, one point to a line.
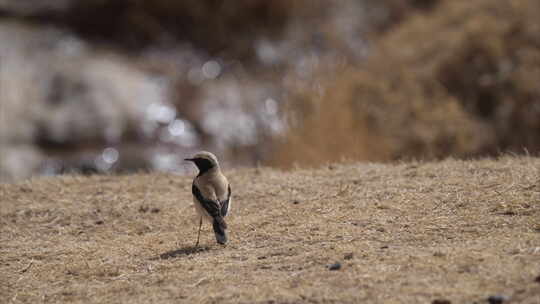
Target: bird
[211, 194]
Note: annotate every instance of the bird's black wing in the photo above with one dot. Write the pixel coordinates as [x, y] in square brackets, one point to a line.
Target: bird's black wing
[211, 206]
[225, 203]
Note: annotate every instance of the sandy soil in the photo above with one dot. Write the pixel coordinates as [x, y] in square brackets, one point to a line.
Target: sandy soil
[403, 233]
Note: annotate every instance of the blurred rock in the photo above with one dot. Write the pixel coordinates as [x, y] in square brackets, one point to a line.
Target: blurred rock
[18, 161]
[240, 113]
[58, 94]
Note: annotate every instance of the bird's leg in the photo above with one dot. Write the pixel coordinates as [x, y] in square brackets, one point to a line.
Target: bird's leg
[199, 234]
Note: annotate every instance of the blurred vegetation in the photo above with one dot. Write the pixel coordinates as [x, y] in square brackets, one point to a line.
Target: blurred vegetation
[272, 82]
[462, 81]
[212, 25]
[208, 24]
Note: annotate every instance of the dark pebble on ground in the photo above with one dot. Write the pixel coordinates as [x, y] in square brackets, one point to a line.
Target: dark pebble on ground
[497, 299]
[335, 266]
[441, 301]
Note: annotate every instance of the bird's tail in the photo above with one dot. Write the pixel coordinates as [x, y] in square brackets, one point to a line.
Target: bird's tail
[219, 226]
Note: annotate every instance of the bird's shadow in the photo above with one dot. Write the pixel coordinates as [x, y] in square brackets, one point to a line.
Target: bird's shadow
[184, 251]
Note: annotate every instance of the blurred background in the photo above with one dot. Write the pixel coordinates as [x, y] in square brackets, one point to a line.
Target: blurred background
[108, 86]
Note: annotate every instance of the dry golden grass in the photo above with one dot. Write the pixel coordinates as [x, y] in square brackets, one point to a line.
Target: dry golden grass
[404, 233]
[460, 80]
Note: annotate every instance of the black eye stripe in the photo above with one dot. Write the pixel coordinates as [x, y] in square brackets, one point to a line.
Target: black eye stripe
[203, 164]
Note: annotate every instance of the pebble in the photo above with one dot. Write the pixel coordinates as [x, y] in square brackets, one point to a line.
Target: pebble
[497, 299]
[335, 266]
[143, 209]
[441, 301]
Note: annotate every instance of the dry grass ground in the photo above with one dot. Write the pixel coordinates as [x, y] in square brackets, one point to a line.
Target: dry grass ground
[403, 233]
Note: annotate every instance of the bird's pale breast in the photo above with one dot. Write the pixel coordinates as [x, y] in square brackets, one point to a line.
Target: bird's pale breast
[213, 186]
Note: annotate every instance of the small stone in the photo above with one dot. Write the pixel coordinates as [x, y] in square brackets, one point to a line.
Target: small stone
[143, 209]
[441, 301]
[335, 266]
[349, 256]
[24, 189]
[384, 247]
[99, 222]
[155, 210]
[296, 202]
[537, 279]
[515, 251]
[497, 299]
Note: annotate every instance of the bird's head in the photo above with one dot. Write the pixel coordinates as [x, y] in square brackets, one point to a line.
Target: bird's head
[204, 161]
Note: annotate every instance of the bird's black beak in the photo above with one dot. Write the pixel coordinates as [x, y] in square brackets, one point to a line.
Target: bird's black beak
[189, 159]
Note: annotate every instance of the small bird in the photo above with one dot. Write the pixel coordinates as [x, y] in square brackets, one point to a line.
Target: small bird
[211, 194]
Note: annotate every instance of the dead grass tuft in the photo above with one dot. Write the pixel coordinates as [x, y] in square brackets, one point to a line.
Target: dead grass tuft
[460, 80]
